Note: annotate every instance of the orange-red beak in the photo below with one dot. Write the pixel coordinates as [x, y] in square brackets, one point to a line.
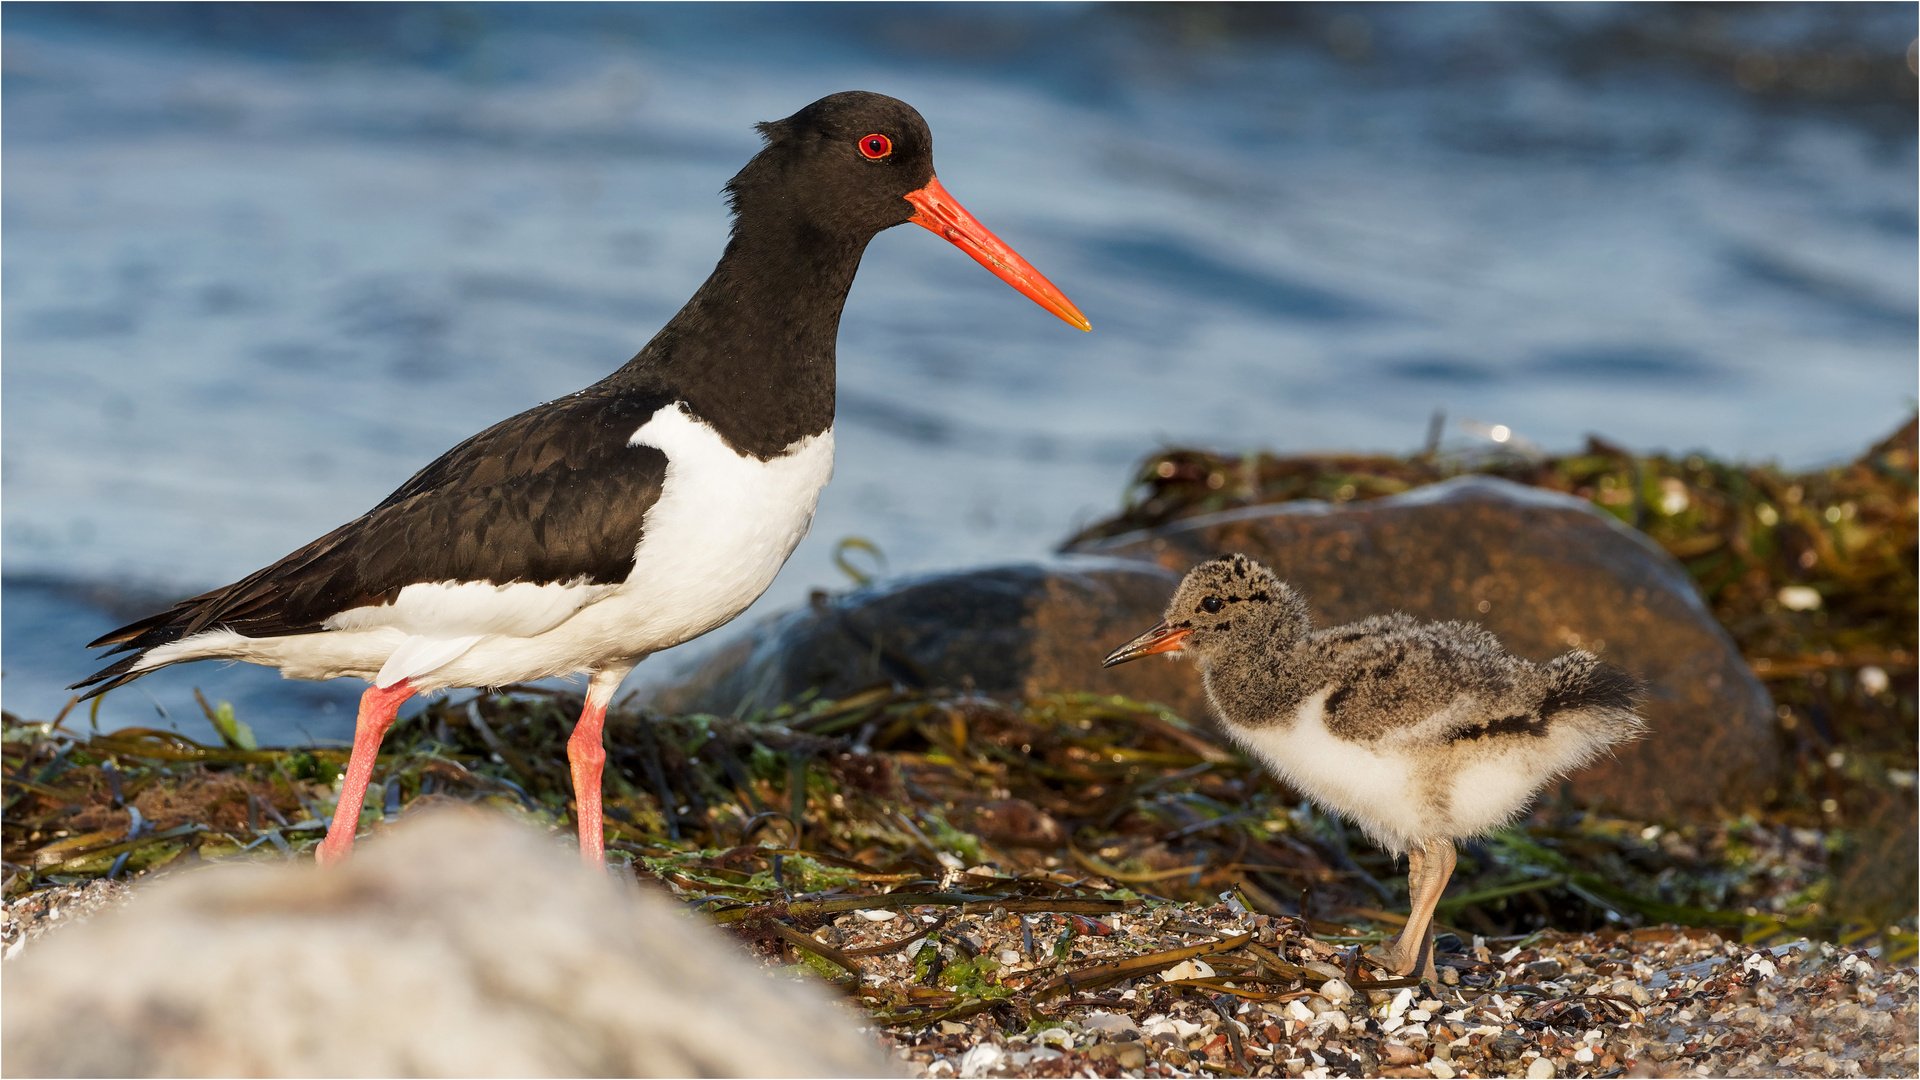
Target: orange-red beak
[1162, 638]
[938, 211]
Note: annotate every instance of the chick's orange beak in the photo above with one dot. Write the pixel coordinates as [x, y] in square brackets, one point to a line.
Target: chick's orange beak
[938, 211]
[1162, 638]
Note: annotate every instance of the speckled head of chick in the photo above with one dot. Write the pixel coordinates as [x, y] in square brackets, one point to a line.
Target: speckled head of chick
[1419, 733]
[1223, 605]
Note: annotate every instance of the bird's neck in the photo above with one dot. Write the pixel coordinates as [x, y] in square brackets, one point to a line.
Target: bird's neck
[752, 353]
[1256, 687]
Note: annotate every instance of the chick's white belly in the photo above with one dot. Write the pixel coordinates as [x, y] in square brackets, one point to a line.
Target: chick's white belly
[1373, 788]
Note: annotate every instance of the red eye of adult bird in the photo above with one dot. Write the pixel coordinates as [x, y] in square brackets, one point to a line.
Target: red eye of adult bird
[942, 213]
[876, 146]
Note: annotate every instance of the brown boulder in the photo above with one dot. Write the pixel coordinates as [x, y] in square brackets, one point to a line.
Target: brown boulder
[1544, 572]
[1007, 631]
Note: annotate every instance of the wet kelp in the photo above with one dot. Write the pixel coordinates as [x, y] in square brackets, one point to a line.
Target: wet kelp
[1812, 573]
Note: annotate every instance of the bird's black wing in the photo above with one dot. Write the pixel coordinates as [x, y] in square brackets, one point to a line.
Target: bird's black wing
[554, 494]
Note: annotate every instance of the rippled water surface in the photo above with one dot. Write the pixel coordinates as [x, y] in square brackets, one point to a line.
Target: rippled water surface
[263, 264]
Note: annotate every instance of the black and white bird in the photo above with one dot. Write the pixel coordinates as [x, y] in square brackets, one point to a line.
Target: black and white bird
[1420, 733]
[641, 512]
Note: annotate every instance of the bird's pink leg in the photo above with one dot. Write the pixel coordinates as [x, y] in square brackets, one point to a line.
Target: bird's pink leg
[377, 709]
[587, 754]
[1405, 947]
[1413, 952]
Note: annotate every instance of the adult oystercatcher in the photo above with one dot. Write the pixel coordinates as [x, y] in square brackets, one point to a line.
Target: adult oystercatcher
[1420, 733]
[638, 513]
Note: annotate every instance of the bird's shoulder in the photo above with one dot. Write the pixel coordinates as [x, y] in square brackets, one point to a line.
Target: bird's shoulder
[570, 435]
[1391, 672]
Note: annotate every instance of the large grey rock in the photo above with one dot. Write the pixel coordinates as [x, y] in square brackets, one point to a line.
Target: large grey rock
[459, 944]
[1545, 572]
[1016, 630]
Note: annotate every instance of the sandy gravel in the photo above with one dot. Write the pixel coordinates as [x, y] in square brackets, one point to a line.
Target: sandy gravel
[1650, 1002]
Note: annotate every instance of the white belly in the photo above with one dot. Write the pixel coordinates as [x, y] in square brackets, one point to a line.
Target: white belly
[1410, 786]
[1374, 790]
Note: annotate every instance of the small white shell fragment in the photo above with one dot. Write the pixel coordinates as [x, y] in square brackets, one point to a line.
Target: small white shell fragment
[980, 1060]
[1441, 1069]
[1336, 991]
[1298, 1011]
[1171, 1025]
[1009, 957]
[1540, 1069]
[1061, 1037]
[1401, 1002]
[1187, 969]
[1109, 1022]
[878, 915]
[1798, 598]
[1583, 1055]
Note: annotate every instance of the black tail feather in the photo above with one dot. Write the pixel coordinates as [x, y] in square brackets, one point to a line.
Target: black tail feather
[137, 638]
[111, 677]
[1580, 680]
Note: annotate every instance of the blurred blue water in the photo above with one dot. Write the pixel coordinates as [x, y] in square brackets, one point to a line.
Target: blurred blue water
[263, 262]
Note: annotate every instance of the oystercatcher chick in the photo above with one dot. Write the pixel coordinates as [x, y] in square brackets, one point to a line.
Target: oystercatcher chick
[1419, 733]
[645, 510]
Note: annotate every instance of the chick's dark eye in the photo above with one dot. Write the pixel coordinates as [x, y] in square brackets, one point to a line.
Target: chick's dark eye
[876, 146]
[1212, 605]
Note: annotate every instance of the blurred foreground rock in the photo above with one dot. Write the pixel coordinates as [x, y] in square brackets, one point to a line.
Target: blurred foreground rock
[459, 944]
[1545, 572]
[1007, 631]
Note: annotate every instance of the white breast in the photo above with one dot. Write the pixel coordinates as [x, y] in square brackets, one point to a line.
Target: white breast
[724, 525]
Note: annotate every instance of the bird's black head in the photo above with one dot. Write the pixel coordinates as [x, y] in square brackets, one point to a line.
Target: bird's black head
[842, 166]
[851, 164]
[1224, 603]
